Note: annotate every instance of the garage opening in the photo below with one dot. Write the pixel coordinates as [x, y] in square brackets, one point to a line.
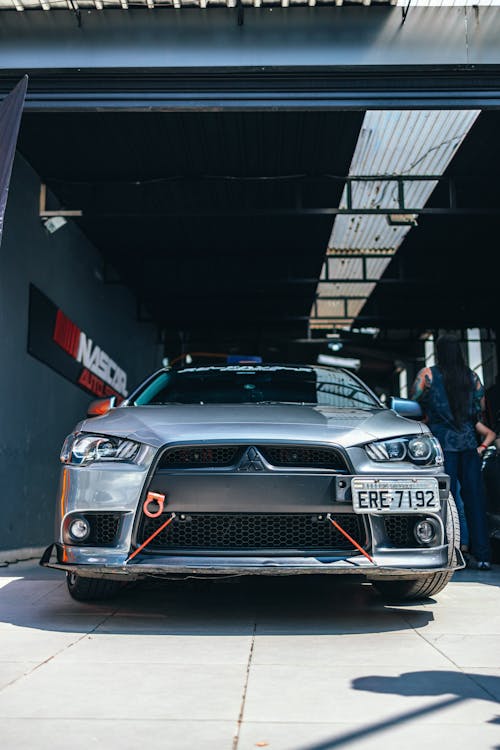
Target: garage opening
[139, 237]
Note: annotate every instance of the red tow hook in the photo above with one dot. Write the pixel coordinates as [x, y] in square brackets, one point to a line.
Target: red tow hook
[353, 541]
[153, 498]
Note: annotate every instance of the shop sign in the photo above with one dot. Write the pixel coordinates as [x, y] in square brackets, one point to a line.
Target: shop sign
[54, 339]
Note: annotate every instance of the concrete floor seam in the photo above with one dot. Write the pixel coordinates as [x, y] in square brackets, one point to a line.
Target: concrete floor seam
[457, 667]
[46, 593]
[54, 656]
[433, 645]
[245, 687]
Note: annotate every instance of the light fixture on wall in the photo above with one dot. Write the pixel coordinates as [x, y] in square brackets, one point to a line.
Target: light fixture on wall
[53, 223]
[53, 220]
[335, 346]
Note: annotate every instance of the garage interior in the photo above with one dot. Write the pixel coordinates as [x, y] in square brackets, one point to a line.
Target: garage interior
[228, 214]
[214, 226]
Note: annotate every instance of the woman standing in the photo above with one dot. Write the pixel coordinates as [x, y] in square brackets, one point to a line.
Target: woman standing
[452, 397]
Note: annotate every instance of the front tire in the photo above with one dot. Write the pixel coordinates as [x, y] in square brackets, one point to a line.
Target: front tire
[427, 585]
[91, 589]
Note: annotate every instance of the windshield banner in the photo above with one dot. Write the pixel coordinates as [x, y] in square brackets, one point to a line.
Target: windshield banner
[10, 117]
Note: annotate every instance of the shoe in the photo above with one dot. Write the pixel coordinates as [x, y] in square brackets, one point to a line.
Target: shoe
[484, 565]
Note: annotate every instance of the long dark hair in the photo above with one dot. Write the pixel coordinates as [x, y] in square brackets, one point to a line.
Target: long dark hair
[456, 375]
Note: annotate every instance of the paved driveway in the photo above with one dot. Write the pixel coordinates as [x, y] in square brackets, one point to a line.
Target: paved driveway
[300, 664]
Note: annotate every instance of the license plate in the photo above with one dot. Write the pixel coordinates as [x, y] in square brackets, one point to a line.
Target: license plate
[395, 495]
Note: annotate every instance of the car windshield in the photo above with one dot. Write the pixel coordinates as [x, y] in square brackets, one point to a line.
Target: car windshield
[256, 385]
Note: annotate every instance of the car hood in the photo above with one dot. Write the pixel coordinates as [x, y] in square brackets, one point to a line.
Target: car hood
[159, 425]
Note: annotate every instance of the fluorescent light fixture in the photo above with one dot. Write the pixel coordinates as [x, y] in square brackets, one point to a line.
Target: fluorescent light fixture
[402, 220]
[347, 362]
[429, 351]
[403, 383]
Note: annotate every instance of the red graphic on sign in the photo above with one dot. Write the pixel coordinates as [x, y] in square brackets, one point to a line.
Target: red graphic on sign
[97, 386]
[66, 334]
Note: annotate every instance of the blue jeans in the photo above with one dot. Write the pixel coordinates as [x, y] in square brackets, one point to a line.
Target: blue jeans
[465, 467]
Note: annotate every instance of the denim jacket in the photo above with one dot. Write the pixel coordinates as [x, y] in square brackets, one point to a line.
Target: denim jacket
[430, 391]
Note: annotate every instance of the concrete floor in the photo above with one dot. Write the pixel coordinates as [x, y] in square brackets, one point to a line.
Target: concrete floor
[297, 664]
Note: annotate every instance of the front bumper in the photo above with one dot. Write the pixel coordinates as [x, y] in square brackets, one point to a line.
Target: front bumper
[109, 490]
[389, 563]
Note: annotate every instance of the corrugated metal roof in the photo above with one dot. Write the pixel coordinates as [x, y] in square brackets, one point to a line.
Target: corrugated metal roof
[73, 5]
[328, 308]
[326, 325]
[390, 143]
[448, 3]
[327, 289]
[342, 268]
[397, 143]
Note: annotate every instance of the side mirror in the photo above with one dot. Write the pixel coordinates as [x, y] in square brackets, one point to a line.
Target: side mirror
[101, 406]
[406, 408]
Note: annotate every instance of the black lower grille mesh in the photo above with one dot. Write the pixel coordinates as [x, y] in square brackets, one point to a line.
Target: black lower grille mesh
[251, 531]
[399, 529]
[103, 529]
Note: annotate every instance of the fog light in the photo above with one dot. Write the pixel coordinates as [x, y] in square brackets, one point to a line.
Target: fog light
[79, 529]
[425, 531]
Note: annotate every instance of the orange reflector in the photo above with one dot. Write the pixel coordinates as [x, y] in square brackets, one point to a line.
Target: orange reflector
[100, 407]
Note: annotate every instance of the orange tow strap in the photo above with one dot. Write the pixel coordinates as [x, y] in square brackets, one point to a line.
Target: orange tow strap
[150, 538]
[342, 531]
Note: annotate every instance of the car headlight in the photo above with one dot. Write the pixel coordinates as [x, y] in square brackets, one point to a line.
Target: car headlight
[81, 449]
[419, 449]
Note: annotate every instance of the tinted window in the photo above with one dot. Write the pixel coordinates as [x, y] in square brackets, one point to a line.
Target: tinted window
[240, 385]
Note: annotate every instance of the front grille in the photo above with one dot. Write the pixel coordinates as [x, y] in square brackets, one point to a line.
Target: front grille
[199, 456]
[399, 529]
[298, 456]
[252, 531]
[193, 456]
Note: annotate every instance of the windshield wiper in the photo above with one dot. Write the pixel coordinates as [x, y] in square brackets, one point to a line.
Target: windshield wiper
[277, 403]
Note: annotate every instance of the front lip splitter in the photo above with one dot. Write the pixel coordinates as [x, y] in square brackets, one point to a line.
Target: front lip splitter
[386, 562]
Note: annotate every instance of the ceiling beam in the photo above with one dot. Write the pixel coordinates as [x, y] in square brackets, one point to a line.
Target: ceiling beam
[291, 211]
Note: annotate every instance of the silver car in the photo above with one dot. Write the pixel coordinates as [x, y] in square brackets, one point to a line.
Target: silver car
[254, 470]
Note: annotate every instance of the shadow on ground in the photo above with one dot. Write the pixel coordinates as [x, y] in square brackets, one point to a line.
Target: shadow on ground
[292, 606]
[453, 688]
[307, 604]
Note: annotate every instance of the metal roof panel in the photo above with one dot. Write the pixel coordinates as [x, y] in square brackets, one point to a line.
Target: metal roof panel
[404, 142]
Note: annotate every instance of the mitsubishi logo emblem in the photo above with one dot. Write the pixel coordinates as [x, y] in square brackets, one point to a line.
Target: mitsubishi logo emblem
[251, 461]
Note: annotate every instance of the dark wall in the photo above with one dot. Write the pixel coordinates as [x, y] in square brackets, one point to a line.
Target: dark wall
[38, 407]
